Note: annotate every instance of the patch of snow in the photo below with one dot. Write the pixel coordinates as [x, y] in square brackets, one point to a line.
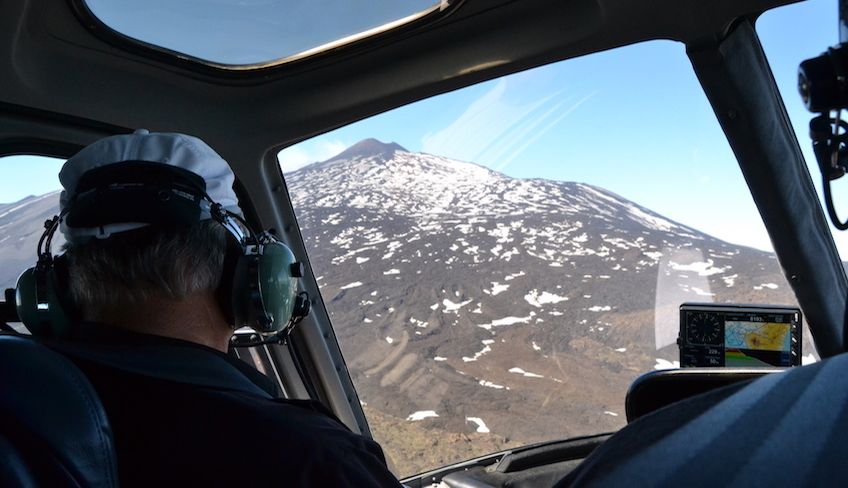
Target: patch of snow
[538, 299]
[598, 308]
[510, 277]
[477, 355]
[665, 364]
[418, 323]
[525, 373]
[421, 415]
[621, 349]
[389, 339]
[439, 358]
[506, 321]
[703, 268]
[607, 412]
[351, 285]
[535, 346]
[491, 385]
[481, 426]
[392, 271]
[496, 288]
[361, 260]
[729, 280]
[701, 292]
[454, 307]
[770, 286]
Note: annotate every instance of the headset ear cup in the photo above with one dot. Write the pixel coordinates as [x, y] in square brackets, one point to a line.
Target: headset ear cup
[264, 288]
[54, 320]
[277, 284]
[26, 301]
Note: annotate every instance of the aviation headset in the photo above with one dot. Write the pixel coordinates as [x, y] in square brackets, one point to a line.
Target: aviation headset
[259, 283]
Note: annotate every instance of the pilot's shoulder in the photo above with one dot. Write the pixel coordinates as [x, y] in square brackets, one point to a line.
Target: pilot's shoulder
[327, 451]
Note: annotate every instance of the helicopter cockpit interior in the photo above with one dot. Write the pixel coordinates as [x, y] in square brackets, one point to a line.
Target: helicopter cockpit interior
[517, 227]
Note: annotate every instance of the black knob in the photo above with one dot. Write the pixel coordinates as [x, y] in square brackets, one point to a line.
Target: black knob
[297, 269]
[819, 84]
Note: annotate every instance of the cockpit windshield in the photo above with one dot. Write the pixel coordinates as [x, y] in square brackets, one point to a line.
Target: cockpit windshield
[502, 261]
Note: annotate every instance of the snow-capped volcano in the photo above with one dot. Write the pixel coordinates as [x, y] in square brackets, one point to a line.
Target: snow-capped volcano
[389, 179]
[463, 293]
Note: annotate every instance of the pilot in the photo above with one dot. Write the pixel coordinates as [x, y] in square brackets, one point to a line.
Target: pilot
[153, 335]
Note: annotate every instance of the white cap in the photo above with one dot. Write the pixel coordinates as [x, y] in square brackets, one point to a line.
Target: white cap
[178, 150]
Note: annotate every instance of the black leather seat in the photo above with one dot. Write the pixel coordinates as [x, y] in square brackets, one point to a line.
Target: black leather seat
[784, 429]
[53, 429]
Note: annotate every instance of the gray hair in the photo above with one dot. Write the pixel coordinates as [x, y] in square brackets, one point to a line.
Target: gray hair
[135, 266]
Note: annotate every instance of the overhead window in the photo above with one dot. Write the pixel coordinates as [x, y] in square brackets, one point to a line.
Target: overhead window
[254, 32]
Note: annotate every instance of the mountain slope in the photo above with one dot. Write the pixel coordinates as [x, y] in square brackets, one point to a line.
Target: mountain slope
[21, 226]
[466, 294]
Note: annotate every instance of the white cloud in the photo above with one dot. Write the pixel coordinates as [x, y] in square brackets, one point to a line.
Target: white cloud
[308, 152]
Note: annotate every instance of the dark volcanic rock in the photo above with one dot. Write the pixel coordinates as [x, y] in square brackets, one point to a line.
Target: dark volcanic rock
[368, 148]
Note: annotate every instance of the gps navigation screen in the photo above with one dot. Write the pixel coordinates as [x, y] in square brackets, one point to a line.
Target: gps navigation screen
[739, 336]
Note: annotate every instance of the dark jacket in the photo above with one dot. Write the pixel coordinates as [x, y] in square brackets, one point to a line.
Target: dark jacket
[183, 414]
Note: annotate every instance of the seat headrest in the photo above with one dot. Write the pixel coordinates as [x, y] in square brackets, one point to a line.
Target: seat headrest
[51, 420]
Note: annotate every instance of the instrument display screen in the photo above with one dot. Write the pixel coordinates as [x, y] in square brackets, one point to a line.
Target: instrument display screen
[739, 336]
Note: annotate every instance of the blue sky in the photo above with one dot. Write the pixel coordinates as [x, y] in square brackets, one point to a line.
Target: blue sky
[633, 120]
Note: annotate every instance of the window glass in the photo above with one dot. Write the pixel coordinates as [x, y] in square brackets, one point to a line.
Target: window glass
[813, 29]
[29, 195]
[250, 32]
[502, 261]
